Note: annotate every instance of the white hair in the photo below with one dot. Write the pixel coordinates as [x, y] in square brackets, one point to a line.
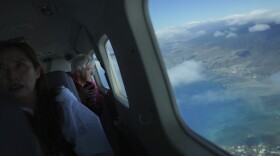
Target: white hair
[80, 62]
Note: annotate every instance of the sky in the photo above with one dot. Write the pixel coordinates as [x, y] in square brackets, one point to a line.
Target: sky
[165, 13]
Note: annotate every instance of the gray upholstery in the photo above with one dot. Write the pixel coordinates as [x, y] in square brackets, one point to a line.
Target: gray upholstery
[61, 78]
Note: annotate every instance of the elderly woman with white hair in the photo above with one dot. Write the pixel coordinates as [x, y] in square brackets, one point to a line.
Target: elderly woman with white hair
[60, 123]
[82, 74]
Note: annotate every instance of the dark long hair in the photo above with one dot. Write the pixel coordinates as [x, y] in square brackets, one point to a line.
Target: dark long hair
[48, 115]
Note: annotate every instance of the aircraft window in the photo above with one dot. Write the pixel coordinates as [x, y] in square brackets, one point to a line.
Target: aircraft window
[100, 72]
[222, 60]
[115, 67]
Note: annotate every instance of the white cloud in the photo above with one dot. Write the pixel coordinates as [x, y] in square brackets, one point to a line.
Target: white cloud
[218, 96]
[249, 96]
[218, 33]
[256, 16]
[180, 33]
[200, 33]
[171, 32]
[259, 27]
[226, 33]
[250, 92]
[186, 72]
[191, 30]
[274, 80]
[231, 35]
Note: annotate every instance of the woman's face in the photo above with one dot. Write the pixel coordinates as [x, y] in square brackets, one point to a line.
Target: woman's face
[18, 76]
[87, 73]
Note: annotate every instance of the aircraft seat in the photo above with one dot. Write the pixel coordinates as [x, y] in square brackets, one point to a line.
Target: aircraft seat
[61, 78]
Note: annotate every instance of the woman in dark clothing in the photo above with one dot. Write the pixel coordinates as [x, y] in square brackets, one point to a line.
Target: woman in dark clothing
[52, 113]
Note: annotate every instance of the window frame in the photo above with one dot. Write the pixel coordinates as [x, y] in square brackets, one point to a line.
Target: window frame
[178, 136]
[118, 79]
[110, 70]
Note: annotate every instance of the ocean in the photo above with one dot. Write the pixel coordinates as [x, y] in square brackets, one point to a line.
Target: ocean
[230, 117]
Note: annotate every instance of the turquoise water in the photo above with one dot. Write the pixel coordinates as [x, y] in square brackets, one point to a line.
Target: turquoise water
[230, 117]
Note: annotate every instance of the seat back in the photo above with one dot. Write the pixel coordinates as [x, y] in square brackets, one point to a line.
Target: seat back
[61, 78]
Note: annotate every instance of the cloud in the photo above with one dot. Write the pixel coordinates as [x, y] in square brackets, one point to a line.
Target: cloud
[256, 16]
[226, 33]
[220, 96]
[200, 33]
[218, 34]
[231, 35]
[178, 33]
[185, 73]
[250, 92]
[248, 96]
[274, 81]
[171, 32]
[259, 27]
[195, 29]
[275, 78]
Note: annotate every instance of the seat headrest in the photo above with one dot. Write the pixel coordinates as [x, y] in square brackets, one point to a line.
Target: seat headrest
[60, 78]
